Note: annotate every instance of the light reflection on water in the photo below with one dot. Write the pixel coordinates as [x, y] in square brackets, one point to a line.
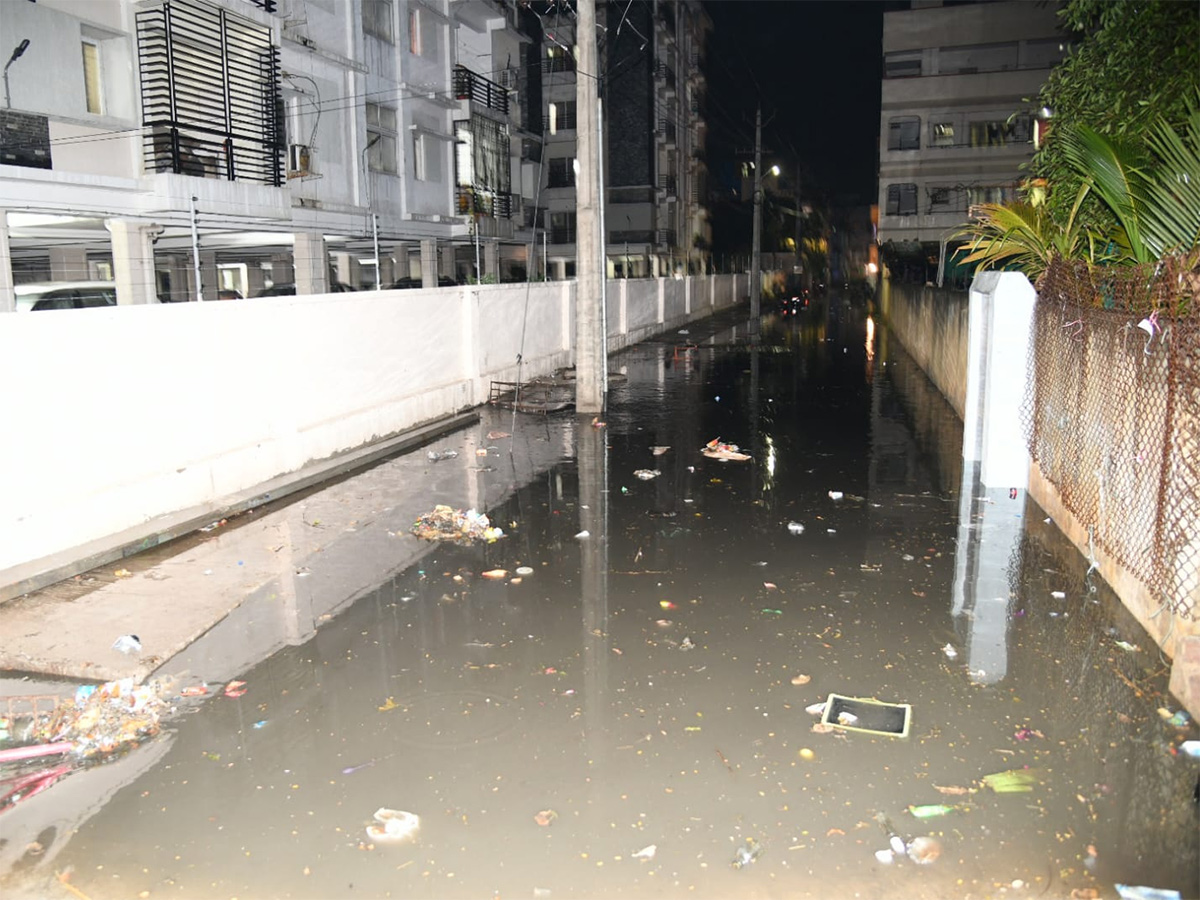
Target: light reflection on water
[639, 683]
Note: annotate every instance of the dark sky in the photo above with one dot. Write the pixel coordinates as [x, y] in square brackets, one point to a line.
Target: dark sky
[815, 67]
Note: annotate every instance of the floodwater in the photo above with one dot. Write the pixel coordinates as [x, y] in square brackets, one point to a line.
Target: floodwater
[630, 719]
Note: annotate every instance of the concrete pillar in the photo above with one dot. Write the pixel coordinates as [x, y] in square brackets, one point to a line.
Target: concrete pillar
[69, 264]
[559, 268]
[8, 301]
[311, 262]
[256, 279]
[133, 261]
[282, 270]
[491, 260]
[210, 278]
[348, 269]
[387, 267]
[429, 263]
[447, 263]
[591, 357]
[1001, 314]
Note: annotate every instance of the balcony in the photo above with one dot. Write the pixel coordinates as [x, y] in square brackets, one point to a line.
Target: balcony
[666, 128]
[472, 86]
[482, 202]
[668, 184]
[666, 75]
[666, 237]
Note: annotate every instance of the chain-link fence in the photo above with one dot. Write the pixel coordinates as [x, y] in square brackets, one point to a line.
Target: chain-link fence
[1112, 415]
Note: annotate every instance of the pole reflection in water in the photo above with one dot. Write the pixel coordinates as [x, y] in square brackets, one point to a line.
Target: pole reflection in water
[592, 448]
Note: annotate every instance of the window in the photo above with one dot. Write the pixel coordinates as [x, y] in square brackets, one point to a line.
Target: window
[377, 19]
[420, 172]
[901, 200]
[905, 64]
[562, 116]
[562, 227]
[562, 172]
[414, 31]
[991, 194]
[987, 134]
[942, 134]
[965, 60]
[381, 138]
[559, 60]
[904, 133]
[942, 200]
[93, 92]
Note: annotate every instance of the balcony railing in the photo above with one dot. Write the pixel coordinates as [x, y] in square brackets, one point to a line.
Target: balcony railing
[480, 202]
[472, 86]
[629, 237]
[666, 237]
[667, 129]
[667, 74]
[667, 183]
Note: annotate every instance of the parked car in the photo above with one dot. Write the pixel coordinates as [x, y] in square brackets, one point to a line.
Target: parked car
[288, 289]
[65, 295]
[405, 284]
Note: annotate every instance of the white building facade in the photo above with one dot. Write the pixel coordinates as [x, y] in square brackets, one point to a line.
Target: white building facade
[203, 149]
[956, 123]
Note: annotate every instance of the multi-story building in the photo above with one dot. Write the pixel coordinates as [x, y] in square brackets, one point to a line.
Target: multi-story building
[956, 123]
[309, 145]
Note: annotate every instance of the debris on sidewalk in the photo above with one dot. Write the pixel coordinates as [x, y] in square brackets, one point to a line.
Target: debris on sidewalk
[439, 455]
[393, 826]
[714, 449]
[128, 643]
[447, 524]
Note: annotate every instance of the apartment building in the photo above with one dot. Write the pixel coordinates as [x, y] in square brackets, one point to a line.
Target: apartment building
[956, 123]
[196, 148]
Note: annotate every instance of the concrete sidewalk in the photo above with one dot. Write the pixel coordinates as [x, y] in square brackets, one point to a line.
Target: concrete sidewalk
[267, 579]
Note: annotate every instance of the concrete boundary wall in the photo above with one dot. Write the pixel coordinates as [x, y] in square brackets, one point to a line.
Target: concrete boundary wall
[932, 325]
[116, 416]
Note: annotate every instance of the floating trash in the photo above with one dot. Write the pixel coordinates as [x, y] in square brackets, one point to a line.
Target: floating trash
[714, 449]
[646, 852]
[495, 574]
[950, 652]
[795, 528]
[545, 817]
[747, 854]
[647, 474]
[870, 715]
[447, 524]
[524, 570]
[686, 644]
[933, 810]
[393, 826]
[924, 850]
[836, 495]
[659, 451]
[1013, 781]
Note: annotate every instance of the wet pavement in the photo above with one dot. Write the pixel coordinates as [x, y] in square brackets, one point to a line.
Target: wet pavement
[629, 718]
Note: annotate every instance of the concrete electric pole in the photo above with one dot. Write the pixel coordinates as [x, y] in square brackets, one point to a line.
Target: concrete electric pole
[591, 356]
[756, 245]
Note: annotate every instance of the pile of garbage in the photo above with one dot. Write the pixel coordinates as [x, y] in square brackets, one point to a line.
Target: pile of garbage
[105, 718]
[447, 524]
[716, 449]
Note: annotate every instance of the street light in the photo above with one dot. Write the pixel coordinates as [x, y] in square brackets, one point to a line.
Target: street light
[16, 54]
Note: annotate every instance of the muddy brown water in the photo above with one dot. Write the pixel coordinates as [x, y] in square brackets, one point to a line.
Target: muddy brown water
[638, 686]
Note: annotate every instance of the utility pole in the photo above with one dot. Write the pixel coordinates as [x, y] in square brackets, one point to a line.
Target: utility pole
[756, 246]
[591, 350]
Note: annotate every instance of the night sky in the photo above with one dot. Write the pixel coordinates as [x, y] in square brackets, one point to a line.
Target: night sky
[815, 66]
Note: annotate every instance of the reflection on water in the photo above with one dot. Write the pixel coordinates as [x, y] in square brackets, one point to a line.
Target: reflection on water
[647, 684]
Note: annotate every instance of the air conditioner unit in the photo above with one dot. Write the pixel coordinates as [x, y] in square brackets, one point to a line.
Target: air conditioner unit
[299, 160]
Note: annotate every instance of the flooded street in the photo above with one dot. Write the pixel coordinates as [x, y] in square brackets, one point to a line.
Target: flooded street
[629, 718]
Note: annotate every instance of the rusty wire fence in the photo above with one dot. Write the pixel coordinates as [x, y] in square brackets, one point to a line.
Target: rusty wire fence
[1112, 415]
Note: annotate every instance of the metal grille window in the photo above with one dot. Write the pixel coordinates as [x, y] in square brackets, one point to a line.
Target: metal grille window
[943, 134]
[482, 164]
[377, 19]
[210, 93]
[558, 60]
[381, 138]
[901, 200]
[904, 133]
[562, 172]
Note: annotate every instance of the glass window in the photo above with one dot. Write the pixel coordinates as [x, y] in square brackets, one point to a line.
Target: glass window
[904, 133]
[562, 227]
[987, 134]
[902, 64]
[414, 31]
[942, 134]
[377, 19]
[381, 138]
[562, 172]
[562, 116]
[93, 92]
[965, 60]
[901, 200]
